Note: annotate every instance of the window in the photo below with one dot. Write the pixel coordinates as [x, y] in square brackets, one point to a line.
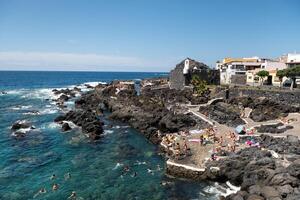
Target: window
[249, 77]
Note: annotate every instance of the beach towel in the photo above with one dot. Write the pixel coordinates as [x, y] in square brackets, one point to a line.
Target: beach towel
[194, 140]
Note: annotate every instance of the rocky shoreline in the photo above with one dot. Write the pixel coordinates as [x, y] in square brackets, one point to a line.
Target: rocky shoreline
[271, 171]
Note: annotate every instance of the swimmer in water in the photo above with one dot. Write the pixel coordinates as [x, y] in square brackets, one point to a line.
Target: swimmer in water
[140, 163]
[126, 168]
[52, 177]
[41, 191]
[55, 187]
[67, 176]
[73, 195]
[158, 168]
[134, 175]
[150, 171]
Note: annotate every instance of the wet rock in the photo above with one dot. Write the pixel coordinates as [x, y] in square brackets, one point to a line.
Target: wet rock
[76, 89]
[63, 98]
[19, 134]
[60, 118]
[86, 119]
[20, 124]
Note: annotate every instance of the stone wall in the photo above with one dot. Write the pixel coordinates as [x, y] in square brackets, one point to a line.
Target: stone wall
[182, 172]
[177, 79]
[284, 96]
[238, 79]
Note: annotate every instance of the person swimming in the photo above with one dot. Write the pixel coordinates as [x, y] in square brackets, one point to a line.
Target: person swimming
[41, 191]
[140, 163]
[67, 176]
[52, 177]
[149, 170]
[73, 195]
[126, 168]
[134, 175]
[55, 187]
[158, 167]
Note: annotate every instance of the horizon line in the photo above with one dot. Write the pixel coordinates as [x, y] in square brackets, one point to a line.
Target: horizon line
[12, 70]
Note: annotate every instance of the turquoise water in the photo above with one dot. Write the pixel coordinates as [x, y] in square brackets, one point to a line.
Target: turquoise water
[27, 164]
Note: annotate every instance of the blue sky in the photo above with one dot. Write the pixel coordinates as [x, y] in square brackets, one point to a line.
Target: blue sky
[140, 35]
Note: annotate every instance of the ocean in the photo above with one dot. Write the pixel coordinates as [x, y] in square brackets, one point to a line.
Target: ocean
[95, 168]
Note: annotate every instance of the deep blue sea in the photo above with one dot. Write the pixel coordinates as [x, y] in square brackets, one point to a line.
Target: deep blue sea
[27, 164]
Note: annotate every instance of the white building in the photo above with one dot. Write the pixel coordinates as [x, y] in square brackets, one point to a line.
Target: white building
[293, 60]
[268, 65]
[243, 70]
[233, 70]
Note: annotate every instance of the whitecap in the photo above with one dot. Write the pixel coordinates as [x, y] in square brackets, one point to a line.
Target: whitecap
[94, 84]
[24, 131]
[32, 113]
[15, 92]
[221, 190]
[71, 124]
[106, 132]
[51, 125]
[21, 107]
[44, 93]
[48, 111]
[70, 102]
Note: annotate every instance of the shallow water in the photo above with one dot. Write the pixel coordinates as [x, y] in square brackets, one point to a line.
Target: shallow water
[27, 164]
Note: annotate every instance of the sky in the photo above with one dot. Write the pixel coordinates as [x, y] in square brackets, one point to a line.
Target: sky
[142, 35]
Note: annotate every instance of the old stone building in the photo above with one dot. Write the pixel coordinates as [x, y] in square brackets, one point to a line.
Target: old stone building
[181, 75]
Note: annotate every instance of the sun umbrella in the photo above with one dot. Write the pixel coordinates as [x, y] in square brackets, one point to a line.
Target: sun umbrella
[239, 129]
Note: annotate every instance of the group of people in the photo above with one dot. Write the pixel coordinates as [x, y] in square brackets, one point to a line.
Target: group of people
[128, 170]
[285, 120]
[55, 187]
[177, 144]
[208, 137]
[228, 143]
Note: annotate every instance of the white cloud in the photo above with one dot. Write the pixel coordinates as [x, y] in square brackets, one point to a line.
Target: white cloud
[68, 61]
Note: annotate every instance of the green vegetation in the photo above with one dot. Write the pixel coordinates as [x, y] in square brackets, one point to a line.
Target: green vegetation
[280, 74]
[262, 74]
[291, 73]
[200, 86]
